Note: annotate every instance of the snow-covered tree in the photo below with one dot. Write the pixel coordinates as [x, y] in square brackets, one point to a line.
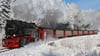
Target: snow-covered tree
[96, 18]
[87, 22]
[5, 12]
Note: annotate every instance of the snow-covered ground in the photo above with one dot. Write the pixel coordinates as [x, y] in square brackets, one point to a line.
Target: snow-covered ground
[1, 36]
[77, 46]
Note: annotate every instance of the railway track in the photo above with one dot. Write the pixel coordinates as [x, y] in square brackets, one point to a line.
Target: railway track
[4, 50]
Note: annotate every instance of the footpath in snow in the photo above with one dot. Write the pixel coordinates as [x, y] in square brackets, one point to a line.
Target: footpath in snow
[88, 45]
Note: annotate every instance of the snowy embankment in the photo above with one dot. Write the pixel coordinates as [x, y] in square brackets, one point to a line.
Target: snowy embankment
[77, 46]
[1, 36]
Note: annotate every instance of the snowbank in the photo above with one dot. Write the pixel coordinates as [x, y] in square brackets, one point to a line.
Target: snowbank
[2, 32]
[77, 46]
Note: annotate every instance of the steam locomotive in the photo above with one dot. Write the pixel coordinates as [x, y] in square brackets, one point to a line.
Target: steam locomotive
[19, 33]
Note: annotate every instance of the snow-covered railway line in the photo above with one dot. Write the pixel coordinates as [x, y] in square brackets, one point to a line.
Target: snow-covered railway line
[4, 50]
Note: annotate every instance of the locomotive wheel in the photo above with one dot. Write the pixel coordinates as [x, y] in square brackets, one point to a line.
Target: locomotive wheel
[22, 42]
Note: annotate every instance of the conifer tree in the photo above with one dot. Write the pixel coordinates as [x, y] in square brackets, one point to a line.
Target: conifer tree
[5, 12]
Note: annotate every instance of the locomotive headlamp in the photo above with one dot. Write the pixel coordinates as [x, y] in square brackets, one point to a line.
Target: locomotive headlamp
[14, 35]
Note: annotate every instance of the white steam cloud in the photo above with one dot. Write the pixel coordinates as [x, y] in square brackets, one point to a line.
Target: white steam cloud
[50, 11]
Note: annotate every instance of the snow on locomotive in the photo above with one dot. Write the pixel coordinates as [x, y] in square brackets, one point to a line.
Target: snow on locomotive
[19, 33]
